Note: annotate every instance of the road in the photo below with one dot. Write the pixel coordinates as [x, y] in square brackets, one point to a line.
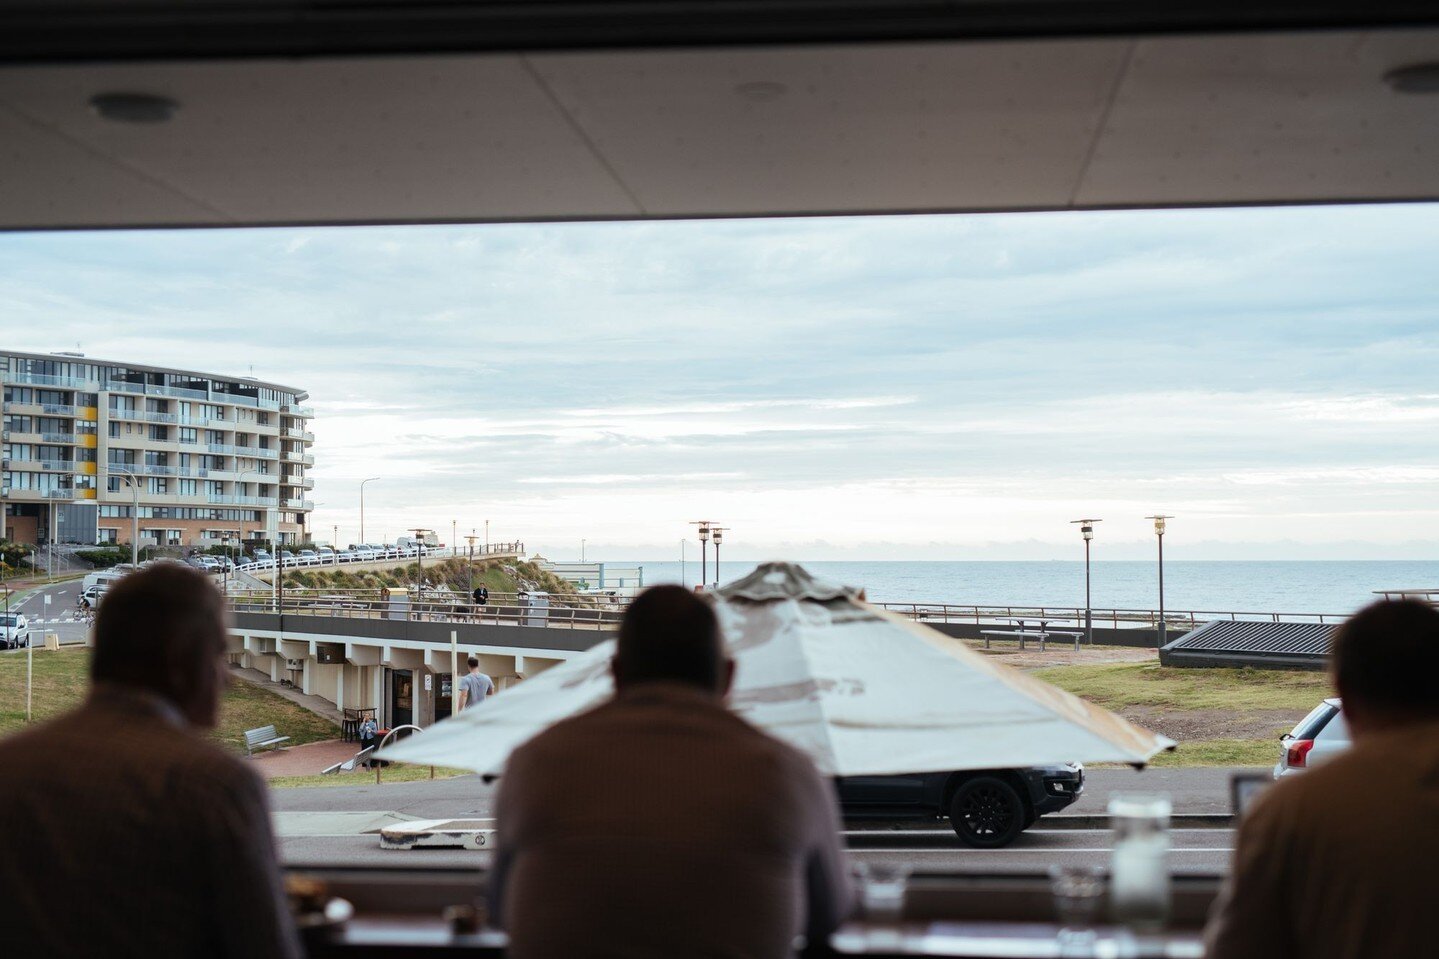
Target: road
[316, 839]
[60, 617]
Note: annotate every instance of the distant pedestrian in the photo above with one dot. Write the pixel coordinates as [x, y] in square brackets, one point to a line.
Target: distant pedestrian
[475, 686]
[482, 596]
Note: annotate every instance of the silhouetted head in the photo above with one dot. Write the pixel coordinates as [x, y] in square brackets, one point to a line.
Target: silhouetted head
[473, 662]
[670, 635]
[162, 630]
[1386, 665]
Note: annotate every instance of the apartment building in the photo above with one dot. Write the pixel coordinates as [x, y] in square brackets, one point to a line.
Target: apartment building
[201, 458]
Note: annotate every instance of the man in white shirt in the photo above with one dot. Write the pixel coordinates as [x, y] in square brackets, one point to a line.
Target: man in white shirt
[661, 824]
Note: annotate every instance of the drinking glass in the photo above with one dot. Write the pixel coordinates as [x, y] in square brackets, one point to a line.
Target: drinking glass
[1078, 892]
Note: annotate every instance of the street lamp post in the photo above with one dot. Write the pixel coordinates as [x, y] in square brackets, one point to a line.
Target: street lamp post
[718, 533]
[420, 560]
[471, 539]
[1159, 519]
[582, 551]
[362, 506]
[704, 533]
[133, 482]
[1086, 529]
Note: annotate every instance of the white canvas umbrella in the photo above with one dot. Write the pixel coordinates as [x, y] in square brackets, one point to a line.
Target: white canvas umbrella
[861, 690]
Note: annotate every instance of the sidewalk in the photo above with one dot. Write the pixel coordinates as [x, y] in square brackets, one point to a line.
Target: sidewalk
[315, 704]
[310, 759]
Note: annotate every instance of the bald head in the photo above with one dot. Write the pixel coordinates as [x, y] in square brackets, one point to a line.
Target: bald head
[670, 635]
[162, 630]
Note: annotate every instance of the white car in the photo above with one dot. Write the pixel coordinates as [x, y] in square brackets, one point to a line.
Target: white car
[14, 630]
[1319, 737]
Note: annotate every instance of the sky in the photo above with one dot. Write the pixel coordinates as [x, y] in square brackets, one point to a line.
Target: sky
[922, 387]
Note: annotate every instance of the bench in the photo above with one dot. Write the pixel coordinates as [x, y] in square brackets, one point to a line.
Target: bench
[1022, 634]
[261, 738]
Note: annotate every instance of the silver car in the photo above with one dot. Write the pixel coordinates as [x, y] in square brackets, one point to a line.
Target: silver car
[14, 630]
[1319, 737]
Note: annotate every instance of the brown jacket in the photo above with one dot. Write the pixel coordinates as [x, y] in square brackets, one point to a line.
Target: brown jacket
[127, 834]
[661, 824]
[1335, 863]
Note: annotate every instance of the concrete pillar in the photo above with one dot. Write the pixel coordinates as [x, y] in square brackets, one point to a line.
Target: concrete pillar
[277, 668]
[307, 671]
[519, 665]
[340, 688]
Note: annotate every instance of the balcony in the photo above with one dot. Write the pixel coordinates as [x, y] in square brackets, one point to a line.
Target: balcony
[42, 466]
[58, 409]
[297, 434]
[40, 495]
[302, 504]
[40, 379]
[241, 500]
[307, 483]
[308, 412]
[59, 437]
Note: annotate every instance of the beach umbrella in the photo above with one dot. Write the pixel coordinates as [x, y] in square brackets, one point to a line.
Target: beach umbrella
[861, 690]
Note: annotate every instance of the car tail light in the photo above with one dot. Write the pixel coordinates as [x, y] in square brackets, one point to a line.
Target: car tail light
[1297, 753]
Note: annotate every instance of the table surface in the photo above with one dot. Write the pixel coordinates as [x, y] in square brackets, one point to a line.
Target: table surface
[980, 940]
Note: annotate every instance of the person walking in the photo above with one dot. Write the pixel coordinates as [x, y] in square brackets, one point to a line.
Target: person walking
[475, 686]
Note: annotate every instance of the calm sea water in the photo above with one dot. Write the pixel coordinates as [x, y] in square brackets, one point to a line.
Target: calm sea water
[1285, 587]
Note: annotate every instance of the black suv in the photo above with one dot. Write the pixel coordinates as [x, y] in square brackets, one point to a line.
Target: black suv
[987, 808]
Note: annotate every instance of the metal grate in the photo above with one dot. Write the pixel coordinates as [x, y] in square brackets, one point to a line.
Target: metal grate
[1284, 639]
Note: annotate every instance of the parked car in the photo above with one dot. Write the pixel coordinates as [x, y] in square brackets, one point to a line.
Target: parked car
[346, 556]
[987, 809]
[326, 554]
[14, 630]
[92, 595]
[307, 557]
[1317, 738]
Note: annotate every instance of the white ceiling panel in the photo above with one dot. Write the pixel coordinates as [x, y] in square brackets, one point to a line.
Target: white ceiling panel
[1261, 119]
[722, 131]
[976, 126]
[48, 179]
[426, 139]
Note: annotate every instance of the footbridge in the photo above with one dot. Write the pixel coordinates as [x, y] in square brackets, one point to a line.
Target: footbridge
[393, 654]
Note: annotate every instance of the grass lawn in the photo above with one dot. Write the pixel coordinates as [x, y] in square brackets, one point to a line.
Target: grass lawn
[1219, 717]
[395, 773]
[62, 678]
[1117, 685]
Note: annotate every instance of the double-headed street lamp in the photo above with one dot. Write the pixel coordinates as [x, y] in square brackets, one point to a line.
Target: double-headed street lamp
[1086, 529]
[1159, 532]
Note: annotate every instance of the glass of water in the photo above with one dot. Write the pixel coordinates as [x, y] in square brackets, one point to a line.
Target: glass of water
[1078, 894]
[882, 886]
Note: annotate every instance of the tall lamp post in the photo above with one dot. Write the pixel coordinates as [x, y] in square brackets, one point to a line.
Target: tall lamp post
[471, 539]
[704, 534]
[718, 533]
[133, 482]
[1159, 519]
[362, 506]
[1086, 529]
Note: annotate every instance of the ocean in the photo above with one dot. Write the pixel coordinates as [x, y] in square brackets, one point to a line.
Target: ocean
[1337, 587]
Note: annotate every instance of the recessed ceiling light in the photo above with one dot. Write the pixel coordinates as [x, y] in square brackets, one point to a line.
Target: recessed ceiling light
[134, 107]
[1418, 78]
[761, 91]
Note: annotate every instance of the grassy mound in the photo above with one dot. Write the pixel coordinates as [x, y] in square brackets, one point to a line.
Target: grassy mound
[62, 679]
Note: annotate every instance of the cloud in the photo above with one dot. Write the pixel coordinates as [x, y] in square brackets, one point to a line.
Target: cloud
[887, 380]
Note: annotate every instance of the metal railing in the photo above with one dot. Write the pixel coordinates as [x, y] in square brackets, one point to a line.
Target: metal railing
[1115, 618]
[501, 610]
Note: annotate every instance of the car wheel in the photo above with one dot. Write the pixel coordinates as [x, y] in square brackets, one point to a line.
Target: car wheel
[986, 812]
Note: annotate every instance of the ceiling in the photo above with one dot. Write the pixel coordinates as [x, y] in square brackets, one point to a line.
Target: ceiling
[949, 125]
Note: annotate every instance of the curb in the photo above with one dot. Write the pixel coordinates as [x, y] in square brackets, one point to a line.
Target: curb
[1186, 820]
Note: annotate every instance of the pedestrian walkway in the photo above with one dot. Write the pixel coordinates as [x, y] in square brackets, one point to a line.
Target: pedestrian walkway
[310, 759]
[318, 705]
